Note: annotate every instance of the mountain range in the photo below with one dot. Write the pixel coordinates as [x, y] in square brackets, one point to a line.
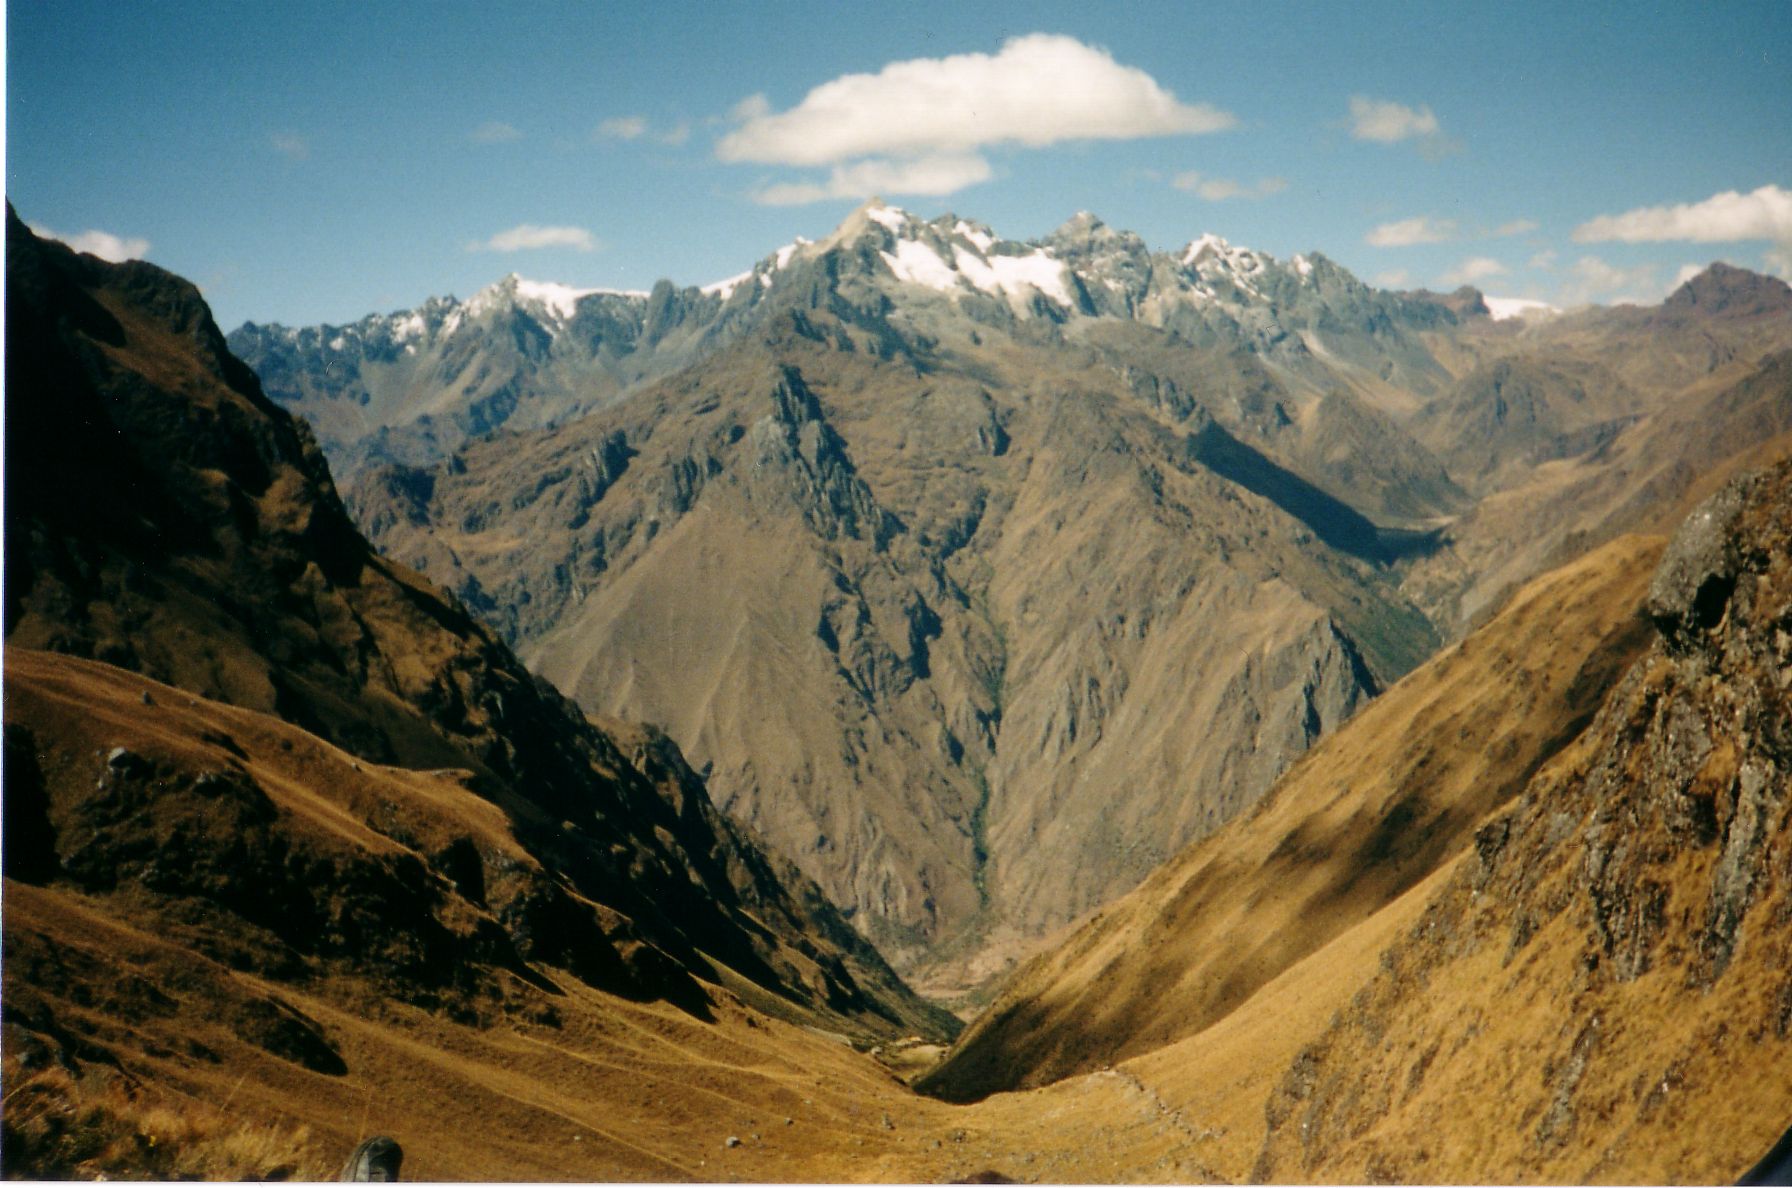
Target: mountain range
[298, 850]
[980, 576]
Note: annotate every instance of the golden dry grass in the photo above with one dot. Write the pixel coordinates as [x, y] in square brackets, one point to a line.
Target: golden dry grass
[100, 1125]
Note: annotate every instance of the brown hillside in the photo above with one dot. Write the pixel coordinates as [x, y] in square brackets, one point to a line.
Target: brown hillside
[1368, 814]
[244, 942]
[920, 628]
[1593, 989]
[1602, 990]
[163, 516]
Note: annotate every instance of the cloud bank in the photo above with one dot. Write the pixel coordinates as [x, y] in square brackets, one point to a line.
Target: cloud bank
[1765, 213]
[1410, 232]
[920, 124]
[1593, 279]
[1472, 271]
[104, 244]
[927, 175]
[529, 237]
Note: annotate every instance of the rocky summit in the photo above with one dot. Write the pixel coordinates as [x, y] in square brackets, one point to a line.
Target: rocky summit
[981, 575]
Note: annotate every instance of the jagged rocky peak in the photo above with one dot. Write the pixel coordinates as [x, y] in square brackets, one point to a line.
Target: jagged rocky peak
[1731, 291]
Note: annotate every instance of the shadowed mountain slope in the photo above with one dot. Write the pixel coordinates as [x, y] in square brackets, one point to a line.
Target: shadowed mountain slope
[163, 516]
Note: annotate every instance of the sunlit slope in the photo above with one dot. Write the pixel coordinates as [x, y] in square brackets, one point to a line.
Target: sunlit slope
[1373, 810]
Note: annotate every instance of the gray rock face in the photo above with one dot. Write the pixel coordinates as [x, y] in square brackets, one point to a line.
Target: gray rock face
[1698, 573]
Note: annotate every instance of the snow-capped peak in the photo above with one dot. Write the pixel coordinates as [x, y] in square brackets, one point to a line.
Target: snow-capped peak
[894, 218]
[1206, 247]
[556, 302]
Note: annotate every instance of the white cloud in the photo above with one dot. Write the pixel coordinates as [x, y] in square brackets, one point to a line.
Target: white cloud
[1408, 232]
[103, 244]
[753, 107]
[290, 145]
[1515, 227]
[494, 132]
[1765, 213]
[530, 236]
[943, 174]
[1386, 121]
[1592, 279]
[1778, 260]
[1393, 278]
[1038, 90]
[1543, 261]
[1219, 189]
[1686, 273]
[630, 127]
[675, 135]
[1472, 271]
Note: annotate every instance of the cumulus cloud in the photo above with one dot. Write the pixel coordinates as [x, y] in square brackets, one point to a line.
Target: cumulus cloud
[1219, 189]
[1038, 90]
[1472, 271]
[1543, 261]
[1686, 273]
[1515, 227]
[1765, 213]
[944, 174]
[530, 236]
[494, 132]
[1408, 232]
[1592, 279]
[1386, 121]
[104, 244]
[630, 127]
[290, 145]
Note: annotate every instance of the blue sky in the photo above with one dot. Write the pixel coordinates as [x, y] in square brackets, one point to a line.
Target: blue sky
[320, 161]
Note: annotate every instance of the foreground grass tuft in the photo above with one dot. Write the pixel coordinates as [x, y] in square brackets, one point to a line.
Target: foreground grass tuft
[97, 1125]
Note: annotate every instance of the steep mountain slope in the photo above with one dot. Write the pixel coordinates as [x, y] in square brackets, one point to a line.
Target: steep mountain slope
[1621, 471]
[1587, 984]
[920, 606]
[1616, 949]
[1371, 811]
[962, 563]
[225, 936]
[163, 516]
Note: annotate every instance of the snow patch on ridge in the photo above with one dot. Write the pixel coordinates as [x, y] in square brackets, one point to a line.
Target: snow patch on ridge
[725, 288]
[1012, 274]
[916, 263]
[981, 240]
[892, 217]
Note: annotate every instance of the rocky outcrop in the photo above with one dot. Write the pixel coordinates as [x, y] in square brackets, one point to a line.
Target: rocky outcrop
[1618, 942]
